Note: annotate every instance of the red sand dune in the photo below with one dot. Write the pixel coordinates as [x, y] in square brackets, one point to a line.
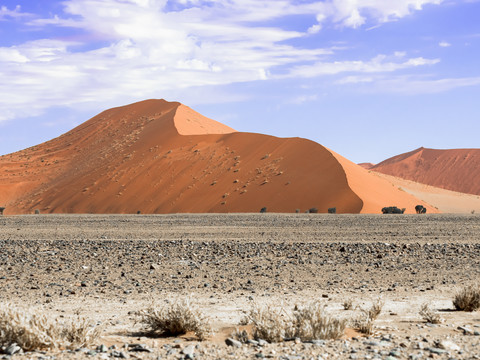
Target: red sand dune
[455, 169]
[162, 157]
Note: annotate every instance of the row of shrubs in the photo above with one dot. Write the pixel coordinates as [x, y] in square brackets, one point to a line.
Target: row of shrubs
[33, 330]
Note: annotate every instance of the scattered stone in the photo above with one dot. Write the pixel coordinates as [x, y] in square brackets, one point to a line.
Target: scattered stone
[233, 342]
[448, 345]
[102, 348]
[119, 354]
[140, 348]
[436, 350]
[13, 349]
[189, 352]
[466, 330]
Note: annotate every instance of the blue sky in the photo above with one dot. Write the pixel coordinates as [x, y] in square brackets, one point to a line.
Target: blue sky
[367, 78]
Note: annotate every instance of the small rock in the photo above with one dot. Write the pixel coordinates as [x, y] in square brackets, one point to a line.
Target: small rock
[252, 342]
[189, 351]
[316, 342]
[448, 345]
[466, 330]
[233, 342]
[262, 342]
[13, 349]
[259, 355]
[436, 351]
[119, 354]
[102, 348]
[140, 348]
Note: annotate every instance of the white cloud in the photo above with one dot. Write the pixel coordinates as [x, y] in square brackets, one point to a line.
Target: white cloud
[378, 64]
[408, 84]
[152, 47]
[16, 13]
[355, 13]
[444, 44]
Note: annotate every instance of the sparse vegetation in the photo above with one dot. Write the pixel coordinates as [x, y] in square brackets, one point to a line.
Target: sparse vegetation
[312, 322]
[176, 319]
[275, 324]
[33, 329]
[467, 299]
[364, 322]
[429, 315]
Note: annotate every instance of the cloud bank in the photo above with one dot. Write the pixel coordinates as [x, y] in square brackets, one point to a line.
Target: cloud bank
[116, 50]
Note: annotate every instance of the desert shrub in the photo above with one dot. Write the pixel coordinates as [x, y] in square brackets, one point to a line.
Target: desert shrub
[375, 310]
[275, 324]
[269, 323]
[467, 299]
[429, 315]
[33, 329]
[312, 322]
[176, 319]
[364, 322]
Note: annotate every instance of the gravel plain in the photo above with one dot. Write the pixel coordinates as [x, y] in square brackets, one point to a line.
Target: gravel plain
[106, 267]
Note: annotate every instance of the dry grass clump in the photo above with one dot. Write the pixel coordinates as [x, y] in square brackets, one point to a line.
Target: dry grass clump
[364, 323]
[429, 315]
[33, 329]
[269, 323]
[176, 319]
[467, 299]
[311, 322]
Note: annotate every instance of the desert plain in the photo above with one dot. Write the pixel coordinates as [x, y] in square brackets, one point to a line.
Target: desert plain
[108, 267]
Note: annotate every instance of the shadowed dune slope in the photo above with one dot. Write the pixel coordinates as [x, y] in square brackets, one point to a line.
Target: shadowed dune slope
[162, 157]
[455, 169]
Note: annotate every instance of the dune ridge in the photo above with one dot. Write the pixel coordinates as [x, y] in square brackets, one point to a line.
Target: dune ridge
[454, 169]
[156, 156]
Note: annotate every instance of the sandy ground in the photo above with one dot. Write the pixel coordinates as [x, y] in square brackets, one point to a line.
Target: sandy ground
[108, 267]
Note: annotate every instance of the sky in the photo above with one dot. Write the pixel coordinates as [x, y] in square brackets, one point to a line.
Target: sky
[368, 79]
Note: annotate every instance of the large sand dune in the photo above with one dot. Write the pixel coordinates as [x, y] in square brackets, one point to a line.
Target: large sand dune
[454, 169]
[162, 157]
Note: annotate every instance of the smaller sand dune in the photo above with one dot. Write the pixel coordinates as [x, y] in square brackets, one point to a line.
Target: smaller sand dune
[454, 169]
[445, 201]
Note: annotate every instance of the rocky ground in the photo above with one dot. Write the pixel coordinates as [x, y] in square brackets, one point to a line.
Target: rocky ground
[108, 267]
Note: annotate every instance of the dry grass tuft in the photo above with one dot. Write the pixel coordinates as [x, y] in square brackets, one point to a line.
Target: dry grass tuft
[176, 319]
[311, 322]
[467, 299]
[429, 315]
[33, 329]
[269, 323]
[364, 323]
[376, 309]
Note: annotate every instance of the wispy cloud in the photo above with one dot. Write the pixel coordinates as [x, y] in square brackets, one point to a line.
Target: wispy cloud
[379, 64]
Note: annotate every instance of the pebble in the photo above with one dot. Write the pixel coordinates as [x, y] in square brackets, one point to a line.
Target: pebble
[189, 351]
[13, 349]
[140, 348]
[233, 342]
